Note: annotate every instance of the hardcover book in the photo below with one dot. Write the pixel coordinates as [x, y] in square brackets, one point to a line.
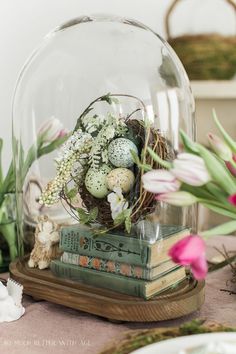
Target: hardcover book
[118, 283]
[112, 246]
[124, 269]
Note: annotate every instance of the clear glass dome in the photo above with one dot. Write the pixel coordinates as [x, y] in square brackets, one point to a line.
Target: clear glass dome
[139, 94]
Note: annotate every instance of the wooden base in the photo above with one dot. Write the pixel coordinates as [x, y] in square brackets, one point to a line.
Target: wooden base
[42, 284]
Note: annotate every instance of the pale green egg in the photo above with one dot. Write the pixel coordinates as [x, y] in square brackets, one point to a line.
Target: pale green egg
[95, 181]
[120, 177]
[119, 152]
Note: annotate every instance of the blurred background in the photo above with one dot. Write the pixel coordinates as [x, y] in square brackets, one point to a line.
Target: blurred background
[24, 23]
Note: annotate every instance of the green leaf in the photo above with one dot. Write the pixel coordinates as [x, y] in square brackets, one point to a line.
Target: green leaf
[93, 214]
[189, 145]
[109, 99]
[217, 192]
[52, 146]
[36, 151]
[1, 172]
[128, 223]
[87, 217]
[218, 209]
[227, 137]
[156, 158]
[199, 192]
[71, 193]
[217, 171]
[145, 167]
[120, 218]
[9, 233]
[135, 157]
[224, 229]
[124, 217]
[83, 216]
[8, 184]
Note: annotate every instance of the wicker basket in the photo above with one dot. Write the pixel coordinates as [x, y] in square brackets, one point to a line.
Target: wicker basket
[205, 57]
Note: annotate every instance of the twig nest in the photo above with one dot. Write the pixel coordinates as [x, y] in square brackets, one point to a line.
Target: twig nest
[119, 152]
[95, 181]
[120, 177]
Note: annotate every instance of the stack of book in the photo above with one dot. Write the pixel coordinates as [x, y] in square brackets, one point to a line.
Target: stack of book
[123, 264]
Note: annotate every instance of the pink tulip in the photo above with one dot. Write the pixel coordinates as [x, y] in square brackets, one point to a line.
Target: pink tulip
[231, 168]
[160, 181]
[51, 130]
[220, 147]
[177, 198]
[190, 251]
[232, 199]
[190, 169]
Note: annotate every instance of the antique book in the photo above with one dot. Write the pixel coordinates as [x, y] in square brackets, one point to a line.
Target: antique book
[120, 268]
[118, 283]
[116, 247]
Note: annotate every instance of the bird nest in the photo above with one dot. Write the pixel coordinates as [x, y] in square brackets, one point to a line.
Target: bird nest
[142, 202]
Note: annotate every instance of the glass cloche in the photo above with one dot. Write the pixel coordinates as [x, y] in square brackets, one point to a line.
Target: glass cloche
[89, 102]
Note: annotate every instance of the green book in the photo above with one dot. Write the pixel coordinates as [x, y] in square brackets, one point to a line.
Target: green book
[112, 246]
[118, 283]
[120, 268]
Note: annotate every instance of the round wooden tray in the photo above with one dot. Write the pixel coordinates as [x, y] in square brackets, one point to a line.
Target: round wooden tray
[42, 284]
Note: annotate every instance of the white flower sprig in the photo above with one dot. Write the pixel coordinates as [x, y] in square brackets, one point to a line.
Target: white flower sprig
[76, 148]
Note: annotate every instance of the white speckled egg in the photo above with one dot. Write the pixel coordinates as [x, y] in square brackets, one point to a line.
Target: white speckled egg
[119, 152]
[120, 177]
[95, 181]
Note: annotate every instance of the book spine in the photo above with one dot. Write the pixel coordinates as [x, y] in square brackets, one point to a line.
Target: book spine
[105, 265]
[108, 246]
[99, 279]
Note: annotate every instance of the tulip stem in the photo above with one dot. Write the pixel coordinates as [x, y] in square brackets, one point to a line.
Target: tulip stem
[231, 143]
[218, 208]
[159, 160]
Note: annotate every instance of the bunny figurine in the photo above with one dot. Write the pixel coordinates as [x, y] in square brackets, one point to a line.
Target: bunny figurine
[46, 245]
[11, 308]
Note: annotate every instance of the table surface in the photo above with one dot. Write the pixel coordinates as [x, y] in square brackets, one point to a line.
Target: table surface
[49, 327]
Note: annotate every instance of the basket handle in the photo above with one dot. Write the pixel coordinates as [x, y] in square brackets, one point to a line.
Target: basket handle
[171, 8]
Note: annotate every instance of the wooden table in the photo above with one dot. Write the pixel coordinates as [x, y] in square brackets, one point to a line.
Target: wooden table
[57, 329]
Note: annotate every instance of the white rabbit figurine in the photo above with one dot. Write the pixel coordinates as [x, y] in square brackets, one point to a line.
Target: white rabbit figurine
[11, 308]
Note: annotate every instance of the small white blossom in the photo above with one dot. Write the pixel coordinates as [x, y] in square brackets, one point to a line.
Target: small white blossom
[117, 202]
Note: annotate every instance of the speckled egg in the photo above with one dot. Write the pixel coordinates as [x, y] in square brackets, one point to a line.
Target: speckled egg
[120, 177]
[95, 181]
[119, 152]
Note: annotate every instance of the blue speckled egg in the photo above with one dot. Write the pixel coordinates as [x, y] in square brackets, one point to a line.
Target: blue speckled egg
[95, 181]
[119, 152]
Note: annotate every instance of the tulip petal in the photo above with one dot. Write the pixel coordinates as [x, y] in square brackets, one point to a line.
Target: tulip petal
[160, 181]
[190, 251]
[190, 169]
[199, 268]
[232, 199]
[230, 166]
[219, 147]
[180, 198]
